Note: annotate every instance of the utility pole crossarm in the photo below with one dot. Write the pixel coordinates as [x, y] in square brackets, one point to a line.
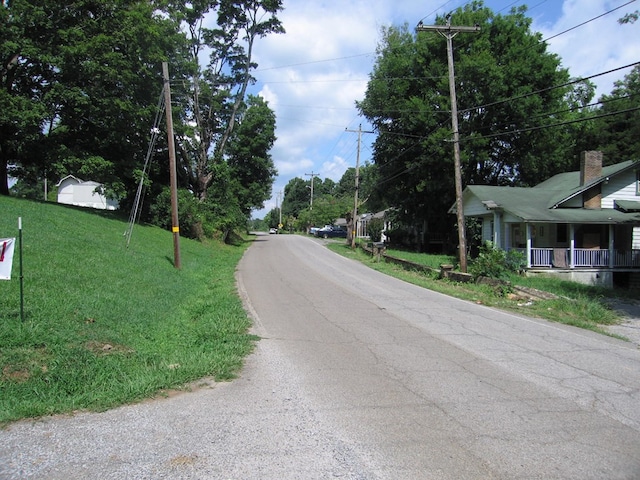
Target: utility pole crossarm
[447, 29]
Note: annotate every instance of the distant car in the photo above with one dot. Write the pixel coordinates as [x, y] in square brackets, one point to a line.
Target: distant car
[330, 231]
[273, 230]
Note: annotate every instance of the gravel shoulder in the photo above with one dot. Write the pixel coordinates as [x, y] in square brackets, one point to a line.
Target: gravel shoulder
[629, 327]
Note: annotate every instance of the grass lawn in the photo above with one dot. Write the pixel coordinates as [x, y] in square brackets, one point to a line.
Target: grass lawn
[578, 305]
[106, 324]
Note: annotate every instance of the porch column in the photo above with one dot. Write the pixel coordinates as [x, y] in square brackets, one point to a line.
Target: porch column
[528, 232]
[497, 228]
[611, 250]
[572, 246]
[507, 236]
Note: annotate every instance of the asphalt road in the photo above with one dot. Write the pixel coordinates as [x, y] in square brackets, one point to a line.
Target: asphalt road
[361, 376]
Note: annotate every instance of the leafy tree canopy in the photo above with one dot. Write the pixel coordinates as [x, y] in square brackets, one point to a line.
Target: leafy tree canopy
[82, 79]
[616, 131]
[508, 89]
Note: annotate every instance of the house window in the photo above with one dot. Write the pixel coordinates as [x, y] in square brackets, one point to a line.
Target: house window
[562, 232]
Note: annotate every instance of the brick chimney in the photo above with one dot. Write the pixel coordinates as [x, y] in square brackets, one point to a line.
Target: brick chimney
[590, 166]
[591, 169]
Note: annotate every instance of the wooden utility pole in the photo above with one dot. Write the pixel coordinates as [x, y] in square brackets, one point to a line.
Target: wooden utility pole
[312, 175]
[175, 225]
[354, 225]
[449, 32]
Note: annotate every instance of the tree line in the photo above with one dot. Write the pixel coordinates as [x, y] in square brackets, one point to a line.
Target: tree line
[522, 118]
[80, 84]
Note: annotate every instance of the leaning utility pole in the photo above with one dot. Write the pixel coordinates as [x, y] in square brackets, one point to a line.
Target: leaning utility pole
[449, 32]
[175, 226]
[354, 226]
[312, 175]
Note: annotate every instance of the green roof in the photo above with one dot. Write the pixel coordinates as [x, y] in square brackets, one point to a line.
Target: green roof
[628, 205]
[564, 186]
[541, 203]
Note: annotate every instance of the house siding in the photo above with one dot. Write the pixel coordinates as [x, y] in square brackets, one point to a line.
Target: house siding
[475, 208]
[487, 229]
[575, 202]
[620, 187]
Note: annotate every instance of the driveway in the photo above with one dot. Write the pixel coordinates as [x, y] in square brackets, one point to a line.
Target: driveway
[361, 376]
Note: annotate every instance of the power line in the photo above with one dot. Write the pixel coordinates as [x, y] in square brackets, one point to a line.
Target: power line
[315, 61]
[558, 124]
[588, 21]
[572, 82]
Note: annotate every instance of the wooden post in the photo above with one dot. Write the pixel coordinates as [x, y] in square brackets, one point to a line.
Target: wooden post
[175, 225]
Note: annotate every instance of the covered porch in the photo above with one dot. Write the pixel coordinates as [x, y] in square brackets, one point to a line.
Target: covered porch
[589, 253]
[570, 245]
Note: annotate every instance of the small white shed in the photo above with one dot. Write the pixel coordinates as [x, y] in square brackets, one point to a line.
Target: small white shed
[73, 191]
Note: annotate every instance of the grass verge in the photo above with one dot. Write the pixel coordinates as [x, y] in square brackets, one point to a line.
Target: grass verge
[105, 324]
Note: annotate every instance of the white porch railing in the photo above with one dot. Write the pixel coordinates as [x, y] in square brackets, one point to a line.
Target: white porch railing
[584, 257]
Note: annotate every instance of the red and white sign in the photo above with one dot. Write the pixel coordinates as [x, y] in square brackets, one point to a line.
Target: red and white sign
[6, 257]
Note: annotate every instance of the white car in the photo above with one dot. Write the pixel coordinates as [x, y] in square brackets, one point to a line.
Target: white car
[273, 230]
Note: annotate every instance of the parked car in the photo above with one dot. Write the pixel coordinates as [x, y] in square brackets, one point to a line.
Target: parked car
[313, 230]
[329, 231]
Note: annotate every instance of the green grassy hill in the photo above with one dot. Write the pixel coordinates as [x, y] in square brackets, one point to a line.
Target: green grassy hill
[106, 324]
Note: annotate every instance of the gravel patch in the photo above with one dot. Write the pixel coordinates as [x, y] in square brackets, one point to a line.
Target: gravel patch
[629, 327]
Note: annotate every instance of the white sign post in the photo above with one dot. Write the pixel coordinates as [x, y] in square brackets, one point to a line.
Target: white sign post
[7, 247]
[21, 276]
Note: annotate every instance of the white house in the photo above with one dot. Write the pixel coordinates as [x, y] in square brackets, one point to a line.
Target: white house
[582, 225]
[73, 191]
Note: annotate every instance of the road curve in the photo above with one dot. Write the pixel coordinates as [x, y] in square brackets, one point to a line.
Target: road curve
[362, 376]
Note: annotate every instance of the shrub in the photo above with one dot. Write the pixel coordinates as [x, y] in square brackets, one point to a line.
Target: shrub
[374, 229]
[496, 263]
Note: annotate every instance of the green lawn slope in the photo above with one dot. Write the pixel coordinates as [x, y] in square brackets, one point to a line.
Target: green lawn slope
[106, 324]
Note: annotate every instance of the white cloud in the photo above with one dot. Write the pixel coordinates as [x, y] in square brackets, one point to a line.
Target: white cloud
[334, 169]
[595, 47]
[313, 74]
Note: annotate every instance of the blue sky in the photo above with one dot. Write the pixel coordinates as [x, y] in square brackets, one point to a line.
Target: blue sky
[312, 75]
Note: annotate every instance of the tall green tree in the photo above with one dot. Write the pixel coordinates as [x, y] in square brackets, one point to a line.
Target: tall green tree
[251, 167]
[297, 197]
[212, 96]
[617, 130]
[368, 191]
[509, 88]
[26, 75]
[83, 78]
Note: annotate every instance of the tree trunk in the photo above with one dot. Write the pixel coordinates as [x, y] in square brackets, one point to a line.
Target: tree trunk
[4, 177]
